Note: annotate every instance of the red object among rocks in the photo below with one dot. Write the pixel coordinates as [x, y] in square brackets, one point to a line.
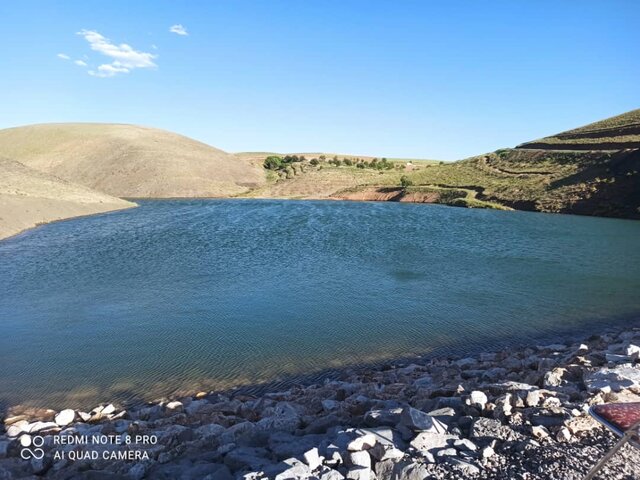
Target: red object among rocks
[619, 417]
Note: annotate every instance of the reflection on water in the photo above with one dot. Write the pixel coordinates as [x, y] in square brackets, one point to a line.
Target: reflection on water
[184, 295]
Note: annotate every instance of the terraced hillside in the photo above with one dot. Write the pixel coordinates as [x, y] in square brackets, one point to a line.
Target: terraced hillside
[615, 133]
[586, 179]
[587, 183]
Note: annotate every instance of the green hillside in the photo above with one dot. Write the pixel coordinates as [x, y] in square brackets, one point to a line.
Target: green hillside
[591, 170]
[619, 132]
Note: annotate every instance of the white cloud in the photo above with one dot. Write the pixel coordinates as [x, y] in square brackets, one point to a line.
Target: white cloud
[178, 29]
[80, 63]
[108, 70]
[125, 58]
[63, 56]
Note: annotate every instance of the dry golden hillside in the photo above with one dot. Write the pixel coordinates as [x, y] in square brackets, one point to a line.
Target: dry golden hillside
[29, 197]
[130, 161]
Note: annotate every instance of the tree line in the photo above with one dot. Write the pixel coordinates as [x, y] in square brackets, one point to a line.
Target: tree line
[276, 162]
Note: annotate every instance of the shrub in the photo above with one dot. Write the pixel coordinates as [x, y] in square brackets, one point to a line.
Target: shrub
[405, 181]
[273, 162]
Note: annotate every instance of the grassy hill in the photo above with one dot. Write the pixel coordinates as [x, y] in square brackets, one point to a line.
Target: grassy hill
[585, 179]
[326, 179]
[130, 161]
[29, 197]
[615, 133]
[581, 173]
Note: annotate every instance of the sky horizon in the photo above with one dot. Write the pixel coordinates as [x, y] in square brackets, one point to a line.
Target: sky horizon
[405, 79]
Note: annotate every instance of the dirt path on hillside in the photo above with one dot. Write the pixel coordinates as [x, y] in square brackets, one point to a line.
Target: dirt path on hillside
[510, 173]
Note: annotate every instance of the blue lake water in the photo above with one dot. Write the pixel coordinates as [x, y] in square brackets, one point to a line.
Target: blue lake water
[182, 295]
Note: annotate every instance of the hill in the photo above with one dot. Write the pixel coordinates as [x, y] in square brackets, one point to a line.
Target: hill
[586, 179]
[130, 161]
[324, 179]
[615, 133]
[29, 197]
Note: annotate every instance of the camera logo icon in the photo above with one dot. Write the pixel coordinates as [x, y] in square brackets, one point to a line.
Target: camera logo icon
[31, 447]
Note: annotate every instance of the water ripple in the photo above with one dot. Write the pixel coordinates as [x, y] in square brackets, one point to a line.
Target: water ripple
[179, 295]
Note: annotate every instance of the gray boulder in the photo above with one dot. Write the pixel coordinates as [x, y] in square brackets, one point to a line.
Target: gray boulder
[419, 421]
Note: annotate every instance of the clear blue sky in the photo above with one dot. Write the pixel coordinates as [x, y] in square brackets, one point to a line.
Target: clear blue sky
[440, 80]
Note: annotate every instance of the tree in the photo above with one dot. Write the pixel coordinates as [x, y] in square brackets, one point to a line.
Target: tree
[405, 181]
[314, 161]
[273, 162]
[347, 161]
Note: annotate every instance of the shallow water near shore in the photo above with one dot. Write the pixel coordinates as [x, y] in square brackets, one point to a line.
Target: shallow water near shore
[182, 295]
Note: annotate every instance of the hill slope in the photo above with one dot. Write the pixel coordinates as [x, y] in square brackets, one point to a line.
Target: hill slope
[29, 197]
[130, 161]
[615, 133]
[591, 170]
[585, 179]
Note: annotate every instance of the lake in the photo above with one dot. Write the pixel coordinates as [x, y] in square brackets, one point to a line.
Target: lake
[183, 295]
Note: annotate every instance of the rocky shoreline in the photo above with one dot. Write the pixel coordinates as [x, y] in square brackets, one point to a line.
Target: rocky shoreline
[510, 414]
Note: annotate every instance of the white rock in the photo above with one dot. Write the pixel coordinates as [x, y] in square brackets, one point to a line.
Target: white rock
[359, 459]
[633, 351]
[487, 452]
[108, 410]
[18, 428]
[478, 399]
[296, 470]
[552, 402]
[363, 442]
[428, 441]
[40, 426]
[563, 435]
[312, 458]
[330, 474]
[359, 473]
[175, 406]
[533, 398]
[84, 416]
[612, 379]
[554, 378]
[465, 444]
[65, 417]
